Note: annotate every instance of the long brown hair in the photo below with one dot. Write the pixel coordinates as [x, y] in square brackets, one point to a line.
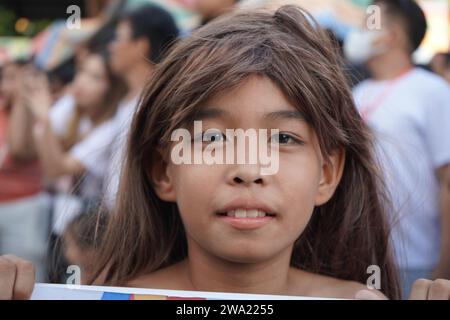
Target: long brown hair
[344, 236]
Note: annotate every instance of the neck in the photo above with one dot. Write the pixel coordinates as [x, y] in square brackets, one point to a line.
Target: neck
[389, 65]
[136, 78]
[210, 273]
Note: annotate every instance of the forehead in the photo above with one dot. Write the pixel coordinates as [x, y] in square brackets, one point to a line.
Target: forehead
[256, 96]
[94, 63]
[124, 28]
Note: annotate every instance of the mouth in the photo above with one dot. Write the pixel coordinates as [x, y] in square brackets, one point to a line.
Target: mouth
[246, 216]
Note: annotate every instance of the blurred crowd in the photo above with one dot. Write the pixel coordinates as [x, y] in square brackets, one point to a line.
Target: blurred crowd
[63, 134]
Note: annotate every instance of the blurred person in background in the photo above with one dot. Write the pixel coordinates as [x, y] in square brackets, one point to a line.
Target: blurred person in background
[408, 109]
[142, 38]
[24, 207]
[60, 78]
[82, 156]
[80, 240]
[61, 112]
[440, 64]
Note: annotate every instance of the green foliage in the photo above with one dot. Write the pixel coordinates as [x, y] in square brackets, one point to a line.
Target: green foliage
[8, 21]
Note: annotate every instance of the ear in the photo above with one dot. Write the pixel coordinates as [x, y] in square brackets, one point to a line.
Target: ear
[161, 179]
[144, 47]
[332, 171]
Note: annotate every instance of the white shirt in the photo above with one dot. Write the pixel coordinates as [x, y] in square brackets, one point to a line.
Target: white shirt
[411, 121]
[62, 112]
[94, 152]
[122, 122]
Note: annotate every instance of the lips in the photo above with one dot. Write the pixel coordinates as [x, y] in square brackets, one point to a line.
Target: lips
[245, 207]
[246, 214]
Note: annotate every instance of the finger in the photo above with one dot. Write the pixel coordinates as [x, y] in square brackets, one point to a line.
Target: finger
[7, 277]
[419, 290]
[439, 290]
[367, 295]
[25, 278]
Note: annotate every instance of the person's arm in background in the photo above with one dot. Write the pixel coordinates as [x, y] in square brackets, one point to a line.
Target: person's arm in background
[54, 160]
[443, 268]
[19, 135]
[436, 131]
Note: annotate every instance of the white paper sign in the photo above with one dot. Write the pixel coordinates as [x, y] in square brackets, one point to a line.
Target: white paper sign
[44, 291]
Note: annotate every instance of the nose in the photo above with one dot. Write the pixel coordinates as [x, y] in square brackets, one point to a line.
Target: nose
[246, 174]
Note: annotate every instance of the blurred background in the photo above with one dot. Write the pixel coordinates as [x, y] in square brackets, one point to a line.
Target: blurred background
[30, 27]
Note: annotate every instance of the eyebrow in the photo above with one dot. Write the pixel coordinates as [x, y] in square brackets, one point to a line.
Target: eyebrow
[286, 115]
[214, 113]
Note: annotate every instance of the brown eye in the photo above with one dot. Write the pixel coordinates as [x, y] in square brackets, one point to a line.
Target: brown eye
[213, 136]
[284, 138]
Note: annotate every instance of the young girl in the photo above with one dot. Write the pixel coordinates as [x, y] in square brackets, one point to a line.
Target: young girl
[311, 229]
[323, 222]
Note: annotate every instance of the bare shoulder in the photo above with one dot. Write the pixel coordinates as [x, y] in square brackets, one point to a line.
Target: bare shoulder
[321, 286]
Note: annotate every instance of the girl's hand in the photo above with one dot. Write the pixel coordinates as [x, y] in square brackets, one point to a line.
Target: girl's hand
[422, 289]
[17, 278]
[36, 93]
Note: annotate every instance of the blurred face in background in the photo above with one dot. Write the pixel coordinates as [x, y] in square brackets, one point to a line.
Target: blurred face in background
[10, 82]
[126, 51]
[365, 45]
[393, 34]
[91, 84]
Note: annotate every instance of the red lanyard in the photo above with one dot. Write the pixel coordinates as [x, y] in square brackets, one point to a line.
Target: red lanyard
[368, 109]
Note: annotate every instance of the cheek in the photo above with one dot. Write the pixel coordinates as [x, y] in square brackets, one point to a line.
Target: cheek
[194, 186]
[299, 177]
[125, 53]
[119, 50]
[93, 93]
[300, 173]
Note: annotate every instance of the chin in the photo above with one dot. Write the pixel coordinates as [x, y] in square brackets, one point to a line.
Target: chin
[247, 254]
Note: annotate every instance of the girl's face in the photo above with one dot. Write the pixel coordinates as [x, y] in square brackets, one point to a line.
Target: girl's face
[207, 194]
[91, 83]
